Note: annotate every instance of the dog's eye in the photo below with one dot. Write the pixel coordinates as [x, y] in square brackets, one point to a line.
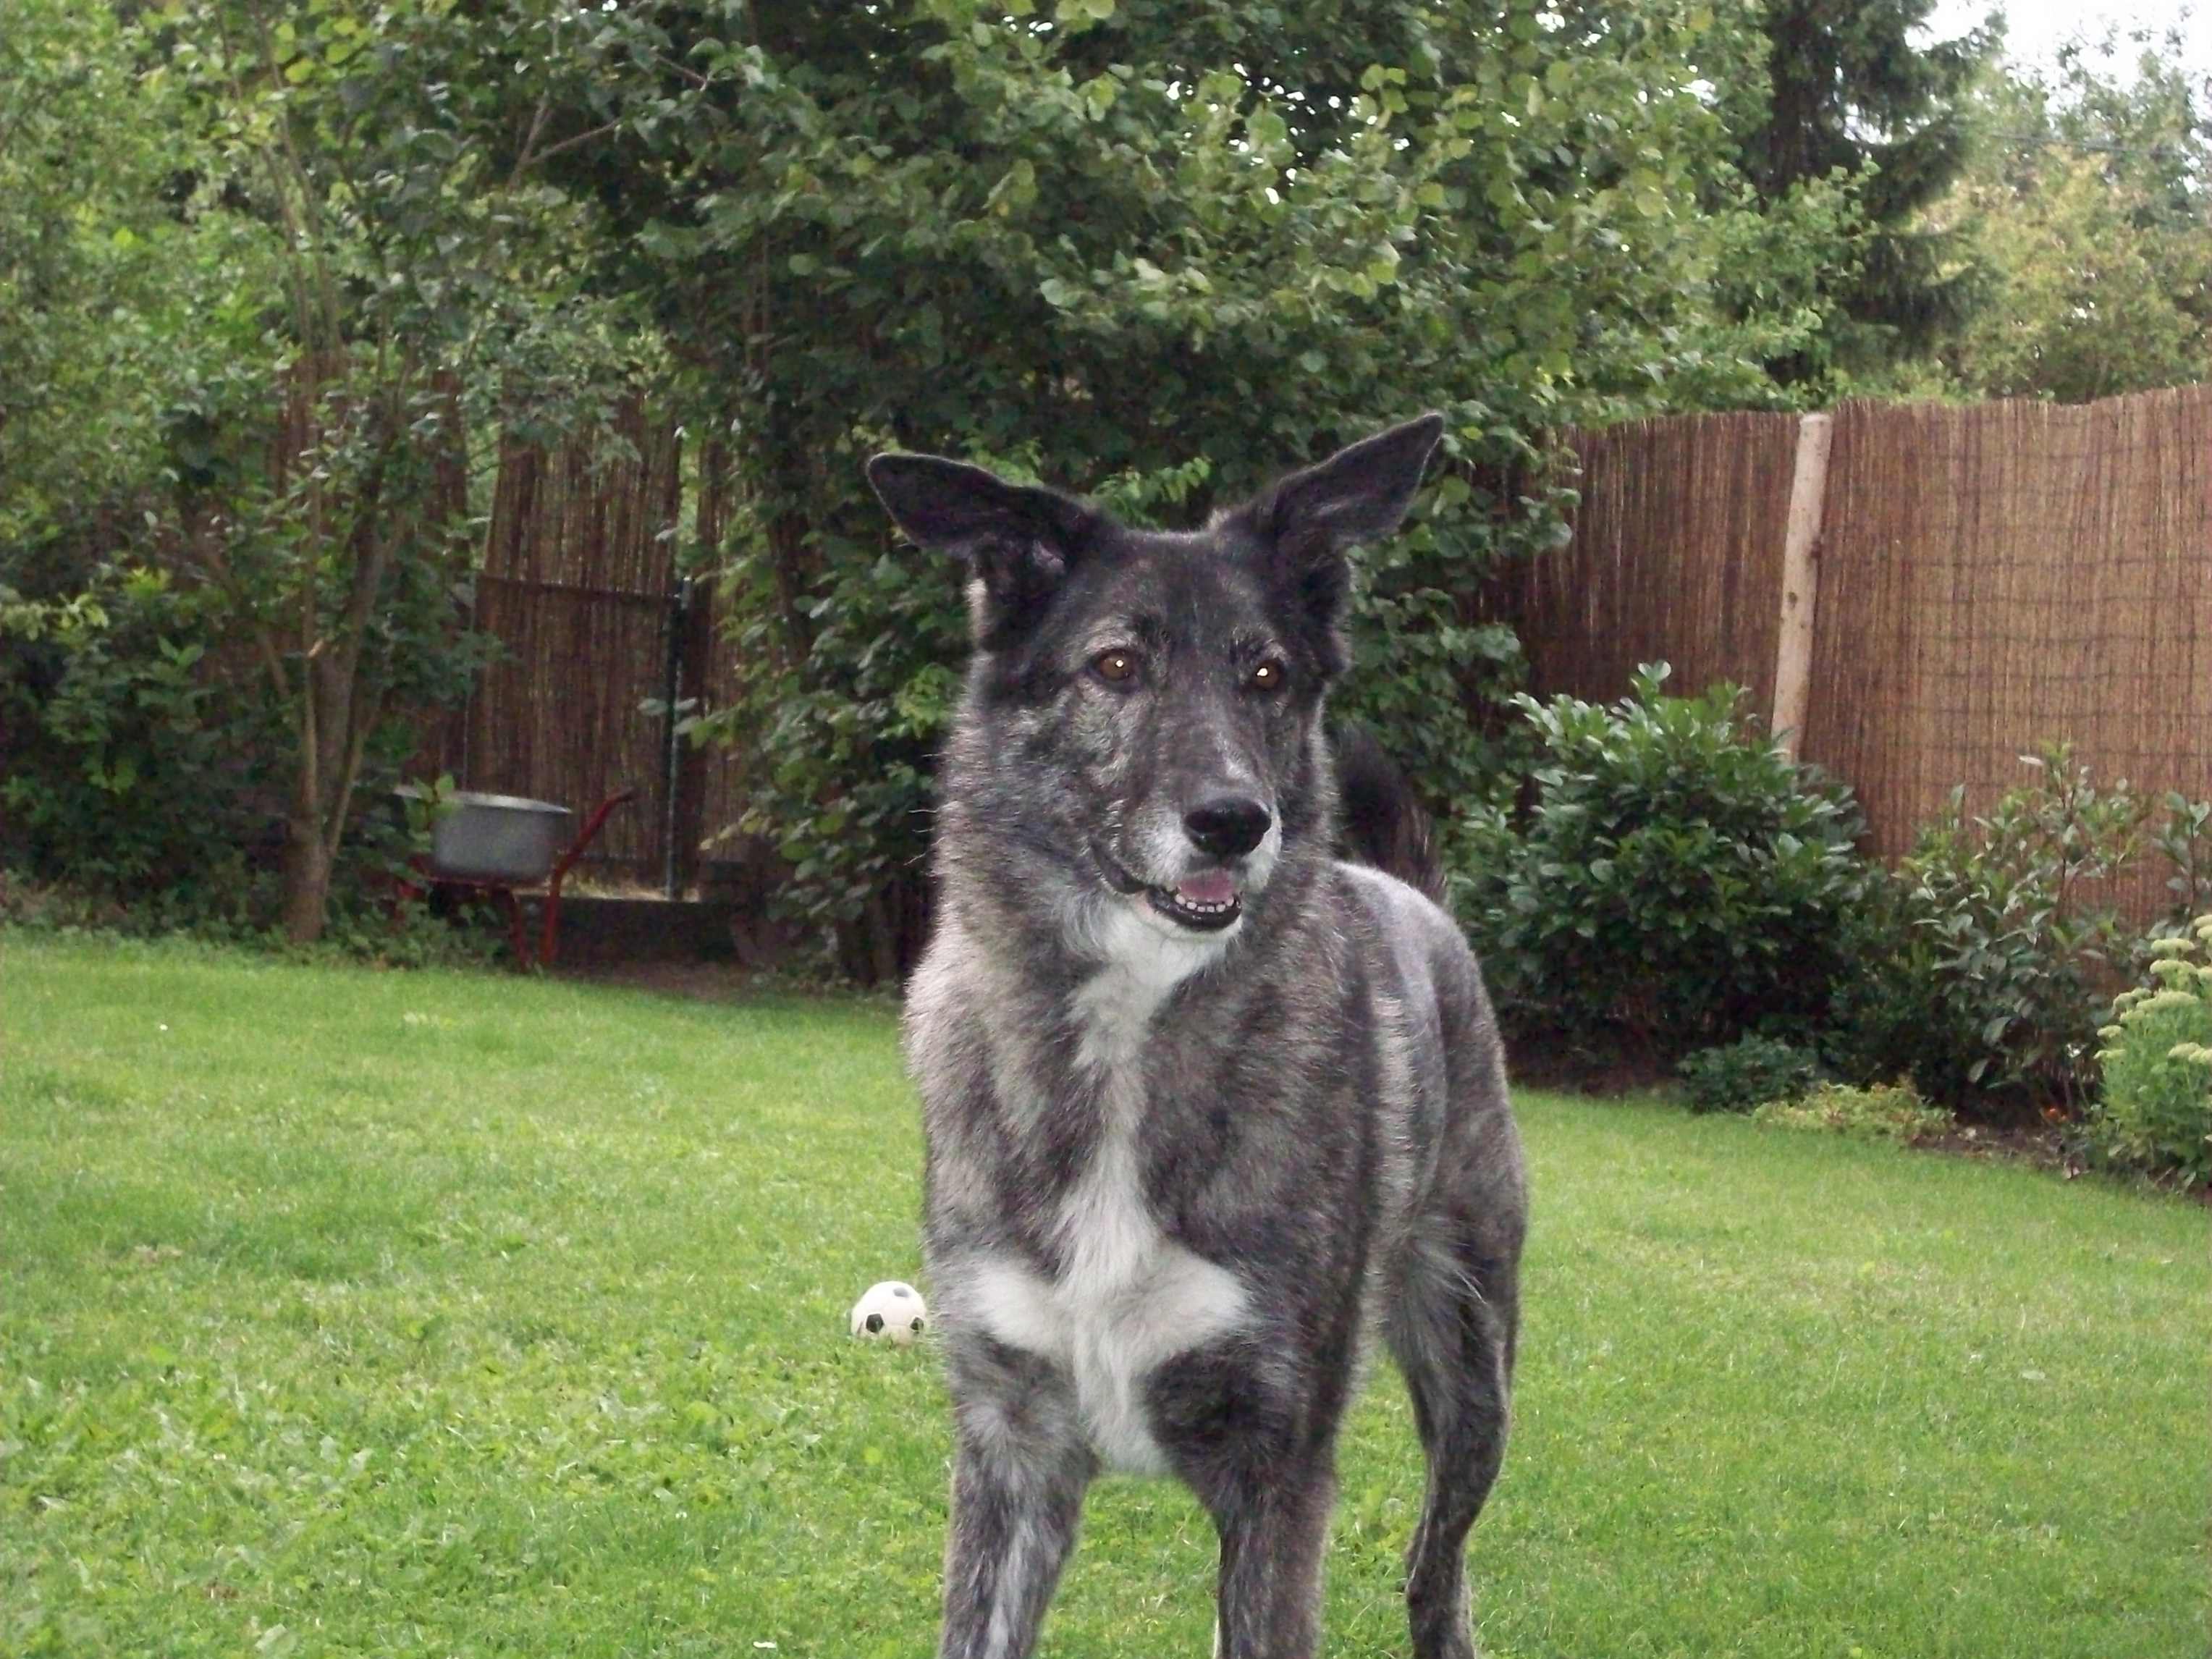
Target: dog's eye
[1115, 667]
[1271, 675]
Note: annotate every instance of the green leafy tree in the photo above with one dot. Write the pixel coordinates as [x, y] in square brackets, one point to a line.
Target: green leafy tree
[2088, 210]
[1850, 93]
[101, 301]
[356, 260]
[134, 758]
[1090, 242]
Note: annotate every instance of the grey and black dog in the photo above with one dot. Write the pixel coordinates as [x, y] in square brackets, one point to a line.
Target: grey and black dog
[1206, 1109]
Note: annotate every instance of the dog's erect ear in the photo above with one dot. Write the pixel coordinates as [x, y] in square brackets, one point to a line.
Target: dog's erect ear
[1358, 496]
[1019, 539]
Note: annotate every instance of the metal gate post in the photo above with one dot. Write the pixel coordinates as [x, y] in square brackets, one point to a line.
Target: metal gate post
[672, 745]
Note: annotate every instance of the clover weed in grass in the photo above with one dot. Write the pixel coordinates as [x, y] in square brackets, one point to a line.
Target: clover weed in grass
[430, 1313]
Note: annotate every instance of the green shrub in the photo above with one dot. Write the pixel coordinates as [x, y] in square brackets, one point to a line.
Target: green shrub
[1676, 882]
[378, 928]
[146, 766]
[1978, 970]
[2185, 843]
[1750, 1072]
[1885, 1111]
[2155, 1111]
[139, 758]
[1878, 1025]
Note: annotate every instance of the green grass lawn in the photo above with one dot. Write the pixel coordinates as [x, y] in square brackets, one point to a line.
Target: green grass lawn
[343, 1312]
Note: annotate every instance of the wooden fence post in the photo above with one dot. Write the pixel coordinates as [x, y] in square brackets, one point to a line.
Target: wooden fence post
[1801, 580]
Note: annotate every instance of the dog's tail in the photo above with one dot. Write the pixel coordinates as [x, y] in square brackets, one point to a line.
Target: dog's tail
[1384, 822]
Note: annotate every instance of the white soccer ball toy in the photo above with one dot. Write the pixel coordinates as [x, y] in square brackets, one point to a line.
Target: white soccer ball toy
[892, 1311]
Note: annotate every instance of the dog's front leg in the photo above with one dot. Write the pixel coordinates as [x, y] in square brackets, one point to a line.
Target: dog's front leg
[1274, 1527]
[1020, 1469]
[1252, 1452]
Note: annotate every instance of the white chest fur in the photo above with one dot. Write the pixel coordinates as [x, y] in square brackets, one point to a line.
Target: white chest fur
[1127, 1297]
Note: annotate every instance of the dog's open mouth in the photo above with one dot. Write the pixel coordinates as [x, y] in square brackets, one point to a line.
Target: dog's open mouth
[1206, 902]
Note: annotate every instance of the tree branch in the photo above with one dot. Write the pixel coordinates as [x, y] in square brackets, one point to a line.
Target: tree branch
[319, 242]
[334, 825]
[264, 638]
[552, 150]
[525, 158]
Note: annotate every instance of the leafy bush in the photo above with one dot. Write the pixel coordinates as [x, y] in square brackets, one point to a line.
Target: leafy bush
[1885, 1111]
[1978, 970]
[1746, 1074]
[2185, 842]
[1677, 881]
[1878, 1025]
[139, 764]
[2155, 1111]
[146, 768]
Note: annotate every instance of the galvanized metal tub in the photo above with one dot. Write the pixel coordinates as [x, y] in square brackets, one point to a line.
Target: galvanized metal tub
[496, 838]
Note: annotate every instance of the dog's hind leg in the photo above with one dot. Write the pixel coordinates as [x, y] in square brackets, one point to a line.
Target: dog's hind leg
[1453, 1336]
[1020, 1469]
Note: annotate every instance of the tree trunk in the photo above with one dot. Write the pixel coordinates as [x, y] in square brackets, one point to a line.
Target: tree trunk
[307, 879]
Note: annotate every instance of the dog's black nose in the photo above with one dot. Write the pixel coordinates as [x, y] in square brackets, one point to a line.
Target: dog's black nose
[1228, 827]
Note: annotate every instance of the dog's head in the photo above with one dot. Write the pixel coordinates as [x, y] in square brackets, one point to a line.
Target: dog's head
[1143, 709]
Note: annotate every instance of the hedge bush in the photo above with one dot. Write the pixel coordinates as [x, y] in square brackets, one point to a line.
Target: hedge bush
[140, 763]
[1676, 881]
[146, 766]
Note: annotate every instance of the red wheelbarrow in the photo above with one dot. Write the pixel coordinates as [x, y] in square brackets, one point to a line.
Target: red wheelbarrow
[493, 844]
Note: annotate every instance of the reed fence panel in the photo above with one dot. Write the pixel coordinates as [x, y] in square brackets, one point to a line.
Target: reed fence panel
[599, 511]
[561, 716]
[1673, 557]
[2001, 575]
[579, 587]
[1989, 579]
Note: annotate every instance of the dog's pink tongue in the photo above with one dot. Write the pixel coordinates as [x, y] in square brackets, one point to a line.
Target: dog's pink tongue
[1207, 887]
